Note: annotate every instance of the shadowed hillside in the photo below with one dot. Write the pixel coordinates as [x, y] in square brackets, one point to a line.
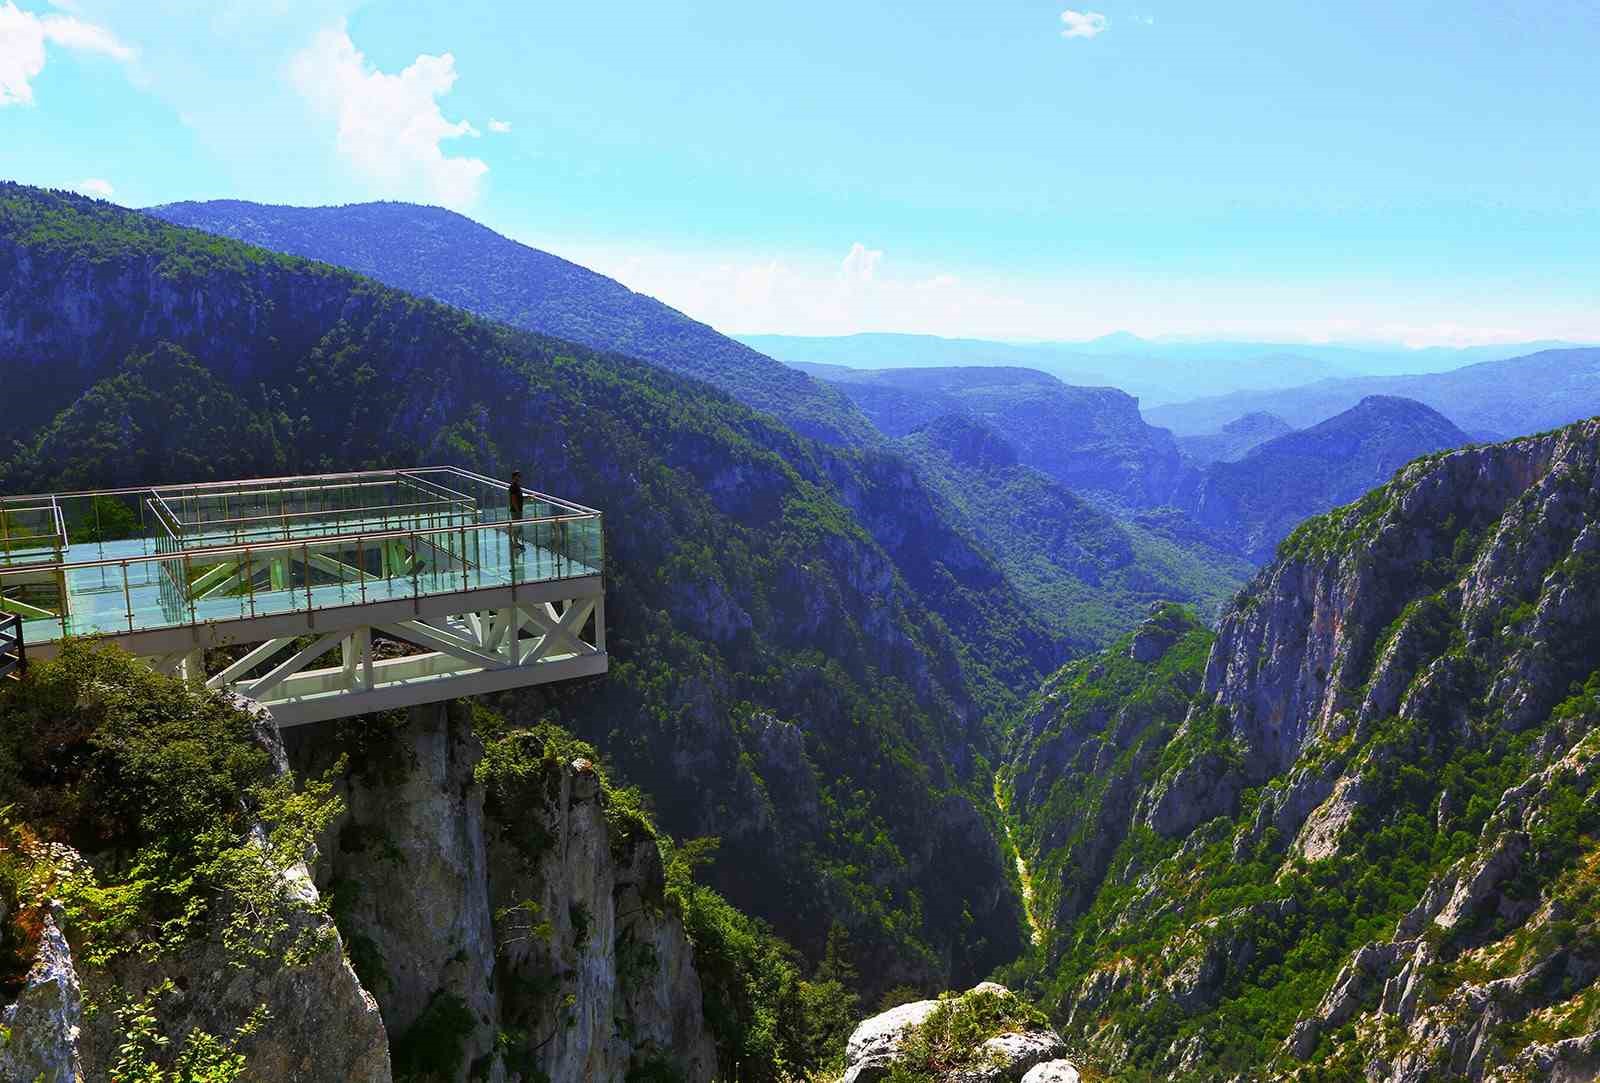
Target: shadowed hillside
[437, 253]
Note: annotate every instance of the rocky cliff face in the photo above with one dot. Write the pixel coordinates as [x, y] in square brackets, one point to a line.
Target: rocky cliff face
[1368, 845]
[531, 937]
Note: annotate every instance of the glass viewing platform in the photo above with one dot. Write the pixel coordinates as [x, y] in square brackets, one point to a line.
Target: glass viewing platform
[175, 570]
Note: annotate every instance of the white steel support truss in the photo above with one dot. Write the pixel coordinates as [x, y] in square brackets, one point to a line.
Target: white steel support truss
[311, 666]
[462, 654]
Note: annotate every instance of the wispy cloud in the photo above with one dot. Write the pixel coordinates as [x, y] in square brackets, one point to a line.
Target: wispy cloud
[499, 126]
[860, 264]
[95, 186]
[23, 37]
[1083, 24]
[389, 127]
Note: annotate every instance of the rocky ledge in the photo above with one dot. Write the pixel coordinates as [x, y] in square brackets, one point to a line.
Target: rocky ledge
[985, 1035]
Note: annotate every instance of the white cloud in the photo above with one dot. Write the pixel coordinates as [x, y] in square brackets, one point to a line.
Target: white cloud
[860, 264]
[94, 186]
[389, 127]
[1082, 24]
[23, 37]
[500, 126]
[807, 293]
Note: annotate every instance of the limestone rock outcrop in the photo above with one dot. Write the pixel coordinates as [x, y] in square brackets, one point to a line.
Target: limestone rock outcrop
[1020, 1048]
[534, 926]
[42, 1024]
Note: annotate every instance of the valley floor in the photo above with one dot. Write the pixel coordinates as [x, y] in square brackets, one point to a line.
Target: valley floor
[1024, 875]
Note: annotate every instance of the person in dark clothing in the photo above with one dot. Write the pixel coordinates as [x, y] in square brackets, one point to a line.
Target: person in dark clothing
[514, 495]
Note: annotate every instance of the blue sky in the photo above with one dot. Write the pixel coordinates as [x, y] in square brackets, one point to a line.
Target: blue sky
[1424, 172]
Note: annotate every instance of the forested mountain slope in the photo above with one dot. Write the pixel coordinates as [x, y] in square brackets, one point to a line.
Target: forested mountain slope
[1355, 839]
[1261, 496]
[1090, 439]
[1502, 398]
[802, 651]
[1091, 573]
[436, 253]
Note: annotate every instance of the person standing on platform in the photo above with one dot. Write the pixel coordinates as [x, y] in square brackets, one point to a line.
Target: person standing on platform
[514, 496]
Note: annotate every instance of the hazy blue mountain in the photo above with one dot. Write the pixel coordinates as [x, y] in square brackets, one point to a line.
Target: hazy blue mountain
[1508, 397]
[1090, 439]
[1260, 498]
[1157, 371]
[437, 253]
[898, 351]
[1237, 437]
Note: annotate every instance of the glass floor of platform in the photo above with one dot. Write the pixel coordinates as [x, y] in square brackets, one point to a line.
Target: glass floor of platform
[118, 598]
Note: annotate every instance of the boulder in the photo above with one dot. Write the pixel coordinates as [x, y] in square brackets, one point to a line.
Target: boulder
[1051, 1071]
[1008, 1057]
[875, 1043]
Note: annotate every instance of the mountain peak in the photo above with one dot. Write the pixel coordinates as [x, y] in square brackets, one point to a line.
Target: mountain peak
[1394, 410]
[1257, 422]
[1118, 340]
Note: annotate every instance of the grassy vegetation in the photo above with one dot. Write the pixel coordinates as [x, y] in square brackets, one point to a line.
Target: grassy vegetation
[950, 1039]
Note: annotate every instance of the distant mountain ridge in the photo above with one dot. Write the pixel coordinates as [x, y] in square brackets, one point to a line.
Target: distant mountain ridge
[1157, 371]
[1513, 396]
[448, 257]
[1090, 439]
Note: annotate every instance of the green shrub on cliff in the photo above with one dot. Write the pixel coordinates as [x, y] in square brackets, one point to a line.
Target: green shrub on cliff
[191, 830]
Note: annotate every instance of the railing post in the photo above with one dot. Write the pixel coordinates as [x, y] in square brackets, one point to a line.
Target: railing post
[188, 585]
[127, 595]
[416, 569]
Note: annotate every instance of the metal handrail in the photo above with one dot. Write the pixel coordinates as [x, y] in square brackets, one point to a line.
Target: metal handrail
[224, 550]
[411, 475]
[219, 486]
[278, 517]
[496, 483]
[159, 499]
